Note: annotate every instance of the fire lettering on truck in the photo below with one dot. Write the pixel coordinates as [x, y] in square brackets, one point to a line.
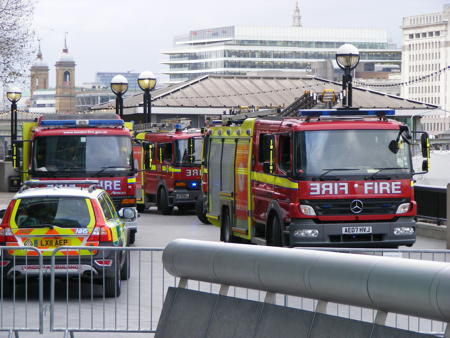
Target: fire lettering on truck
[382, 188]
[332, 188]
[110, 185]
[192, 172]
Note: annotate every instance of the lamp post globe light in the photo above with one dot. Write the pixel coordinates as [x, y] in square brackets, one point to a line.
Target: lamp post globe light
[147, 82]
[13, 94]
[347, 58]
[119, 86]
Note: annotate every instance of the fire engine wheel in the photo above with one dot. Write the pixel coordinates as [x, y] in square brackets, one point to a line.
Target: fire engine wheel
[141, 208]
[227, 232]
[200, 212]
[274, 234]
[163, 202]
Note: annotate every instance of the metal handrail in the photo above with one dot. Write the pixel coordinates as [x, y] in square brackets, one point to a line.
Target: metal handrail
[388, 284]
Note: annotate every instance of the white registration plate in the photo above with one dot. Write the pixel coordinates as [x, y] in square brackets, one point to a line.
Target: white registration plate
[182, 196]
[357, 230]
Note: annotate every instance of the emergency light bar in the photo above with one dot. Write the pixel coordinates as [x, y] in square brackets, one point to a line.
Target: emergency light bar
[58, 183]
[82, 123]
[347, 112]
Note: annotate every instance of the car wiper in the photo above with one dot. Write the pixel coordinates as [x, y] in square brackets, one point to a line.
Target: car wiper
[109, 167]
[328, 170]
[375, 174]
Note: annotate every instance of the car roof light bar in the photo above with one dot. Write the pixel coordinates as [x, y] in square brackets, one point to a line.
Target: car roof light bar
[82, 123]
[347, 112]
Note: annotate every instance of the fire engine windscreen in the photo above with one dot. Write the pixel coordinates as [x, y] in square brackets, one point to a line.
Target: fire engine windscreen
[80, 154]
[351, 153]
[189, 151]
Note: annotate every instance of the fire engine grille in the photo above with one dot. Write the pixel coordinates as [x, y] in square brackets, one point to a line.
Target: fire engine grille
[373, 206]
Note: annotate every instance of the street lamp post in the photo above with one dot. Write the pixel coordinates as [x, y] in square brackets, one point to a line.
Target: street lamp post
[13, 94]
[147, 81]
[119, 86]
[347, 58]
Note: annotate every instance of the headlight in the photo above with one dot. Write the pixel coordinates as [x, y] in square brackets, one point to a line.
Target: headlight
[306, 233]
[307, 210]
[403, 208]
[403, 231]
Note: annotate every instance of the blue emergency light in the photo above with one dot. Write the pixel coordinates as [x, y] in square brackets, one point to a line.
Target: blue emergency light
[193, 184]
[347, 112]
[82, 123]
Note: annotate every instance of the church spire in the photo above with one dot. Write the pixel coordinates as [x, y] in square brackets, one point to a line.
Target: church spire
[296, 18]
[65, 50]
[39, 54]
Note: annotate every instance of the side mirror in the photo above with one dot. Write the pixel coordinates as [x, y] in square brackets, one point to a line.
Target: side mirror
[393, 146]
[425, 166]
[16, 154]
[127, 213]
[425, 145]
[266, 167]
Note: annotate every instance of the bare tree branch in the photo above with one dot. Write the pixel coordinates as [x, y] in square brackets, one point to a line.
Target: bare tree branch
[16, 37]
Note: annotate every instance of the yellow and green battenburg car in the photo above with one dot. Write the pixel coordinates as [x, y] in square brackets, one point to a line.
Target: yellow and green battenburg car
[53, 217]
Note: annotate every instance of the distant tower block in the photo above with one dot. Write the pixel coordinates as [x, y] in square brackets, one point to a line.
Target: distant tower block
[65, 82]
[296, 18]
[39, 73]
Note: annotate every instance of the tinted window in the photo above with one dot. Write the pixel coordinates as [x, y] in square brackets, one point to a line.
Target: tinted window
[105, 207]
[68, 212]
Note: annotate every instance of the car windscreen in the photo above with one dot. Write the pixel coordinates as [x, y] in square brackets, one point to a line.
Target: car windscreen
[66, 212]
[82, 153]
[189, 151]
[324, 153]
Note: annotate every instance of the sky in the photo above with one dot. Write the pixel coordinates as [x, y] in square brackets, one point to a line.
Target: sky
[121, 36]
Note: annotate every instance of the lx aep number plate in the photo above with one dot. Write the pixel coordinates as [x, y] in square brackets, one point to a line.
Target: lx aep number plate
[357, 230]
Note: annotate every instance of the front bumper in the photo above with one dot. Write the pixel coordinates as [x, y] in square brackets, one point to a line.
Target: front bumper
[183, 197]
[331, 234]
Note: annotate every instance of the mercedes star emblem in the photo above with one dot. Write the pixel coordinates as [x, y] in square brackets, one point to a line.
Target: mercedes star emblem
[356, 206]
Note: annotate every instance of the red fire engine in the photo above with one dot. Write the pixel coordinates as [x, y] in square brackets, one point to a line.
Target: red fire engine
[96, 146]
[171, 163]
[321, 179]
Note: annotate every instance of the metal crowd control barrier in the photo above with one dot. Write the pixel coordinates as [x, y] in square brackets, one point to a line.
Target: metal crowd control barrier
[21, 293]
[406, 287]
[79, 296]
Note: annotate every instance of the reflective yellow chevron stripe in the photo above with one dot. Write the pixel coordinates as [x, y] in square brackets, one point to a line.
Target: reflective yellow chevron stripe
[131, 180]
[175, 170]
[242, 171]
[276, 180]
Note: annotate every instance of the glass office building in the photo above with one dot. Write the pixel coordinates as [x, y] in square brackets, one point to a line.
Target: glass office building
[104, 79]
[236, 50]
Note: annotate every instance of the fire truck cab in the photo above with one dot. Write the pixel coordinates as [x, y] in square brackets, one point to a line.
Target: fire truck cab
[68, 147]
[171, 163]
[322, 179]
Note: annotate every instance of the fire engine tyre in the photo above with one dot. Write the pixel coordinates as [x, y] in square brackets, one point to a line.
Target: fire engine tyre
[113, 284]
[200, 212]
[227, 232]
[125, 270]
[141, 208]
[163, 202]
[274, 236]
[131, 237]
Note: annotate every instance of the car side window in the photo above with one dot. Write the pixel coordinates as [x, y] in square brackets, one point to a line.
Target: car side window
[105, 207]
[111, 206]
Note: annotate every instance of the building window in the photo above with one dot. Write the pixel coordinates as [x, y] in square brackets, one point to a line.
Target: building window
[417, 35]
[430, 34]
[66, 76]
[437, 33]
[411, 36]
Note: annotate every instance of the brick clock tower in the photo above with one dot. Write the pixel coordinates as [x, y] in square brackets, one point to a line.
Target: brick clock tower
[39, 73]
[65, 82]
